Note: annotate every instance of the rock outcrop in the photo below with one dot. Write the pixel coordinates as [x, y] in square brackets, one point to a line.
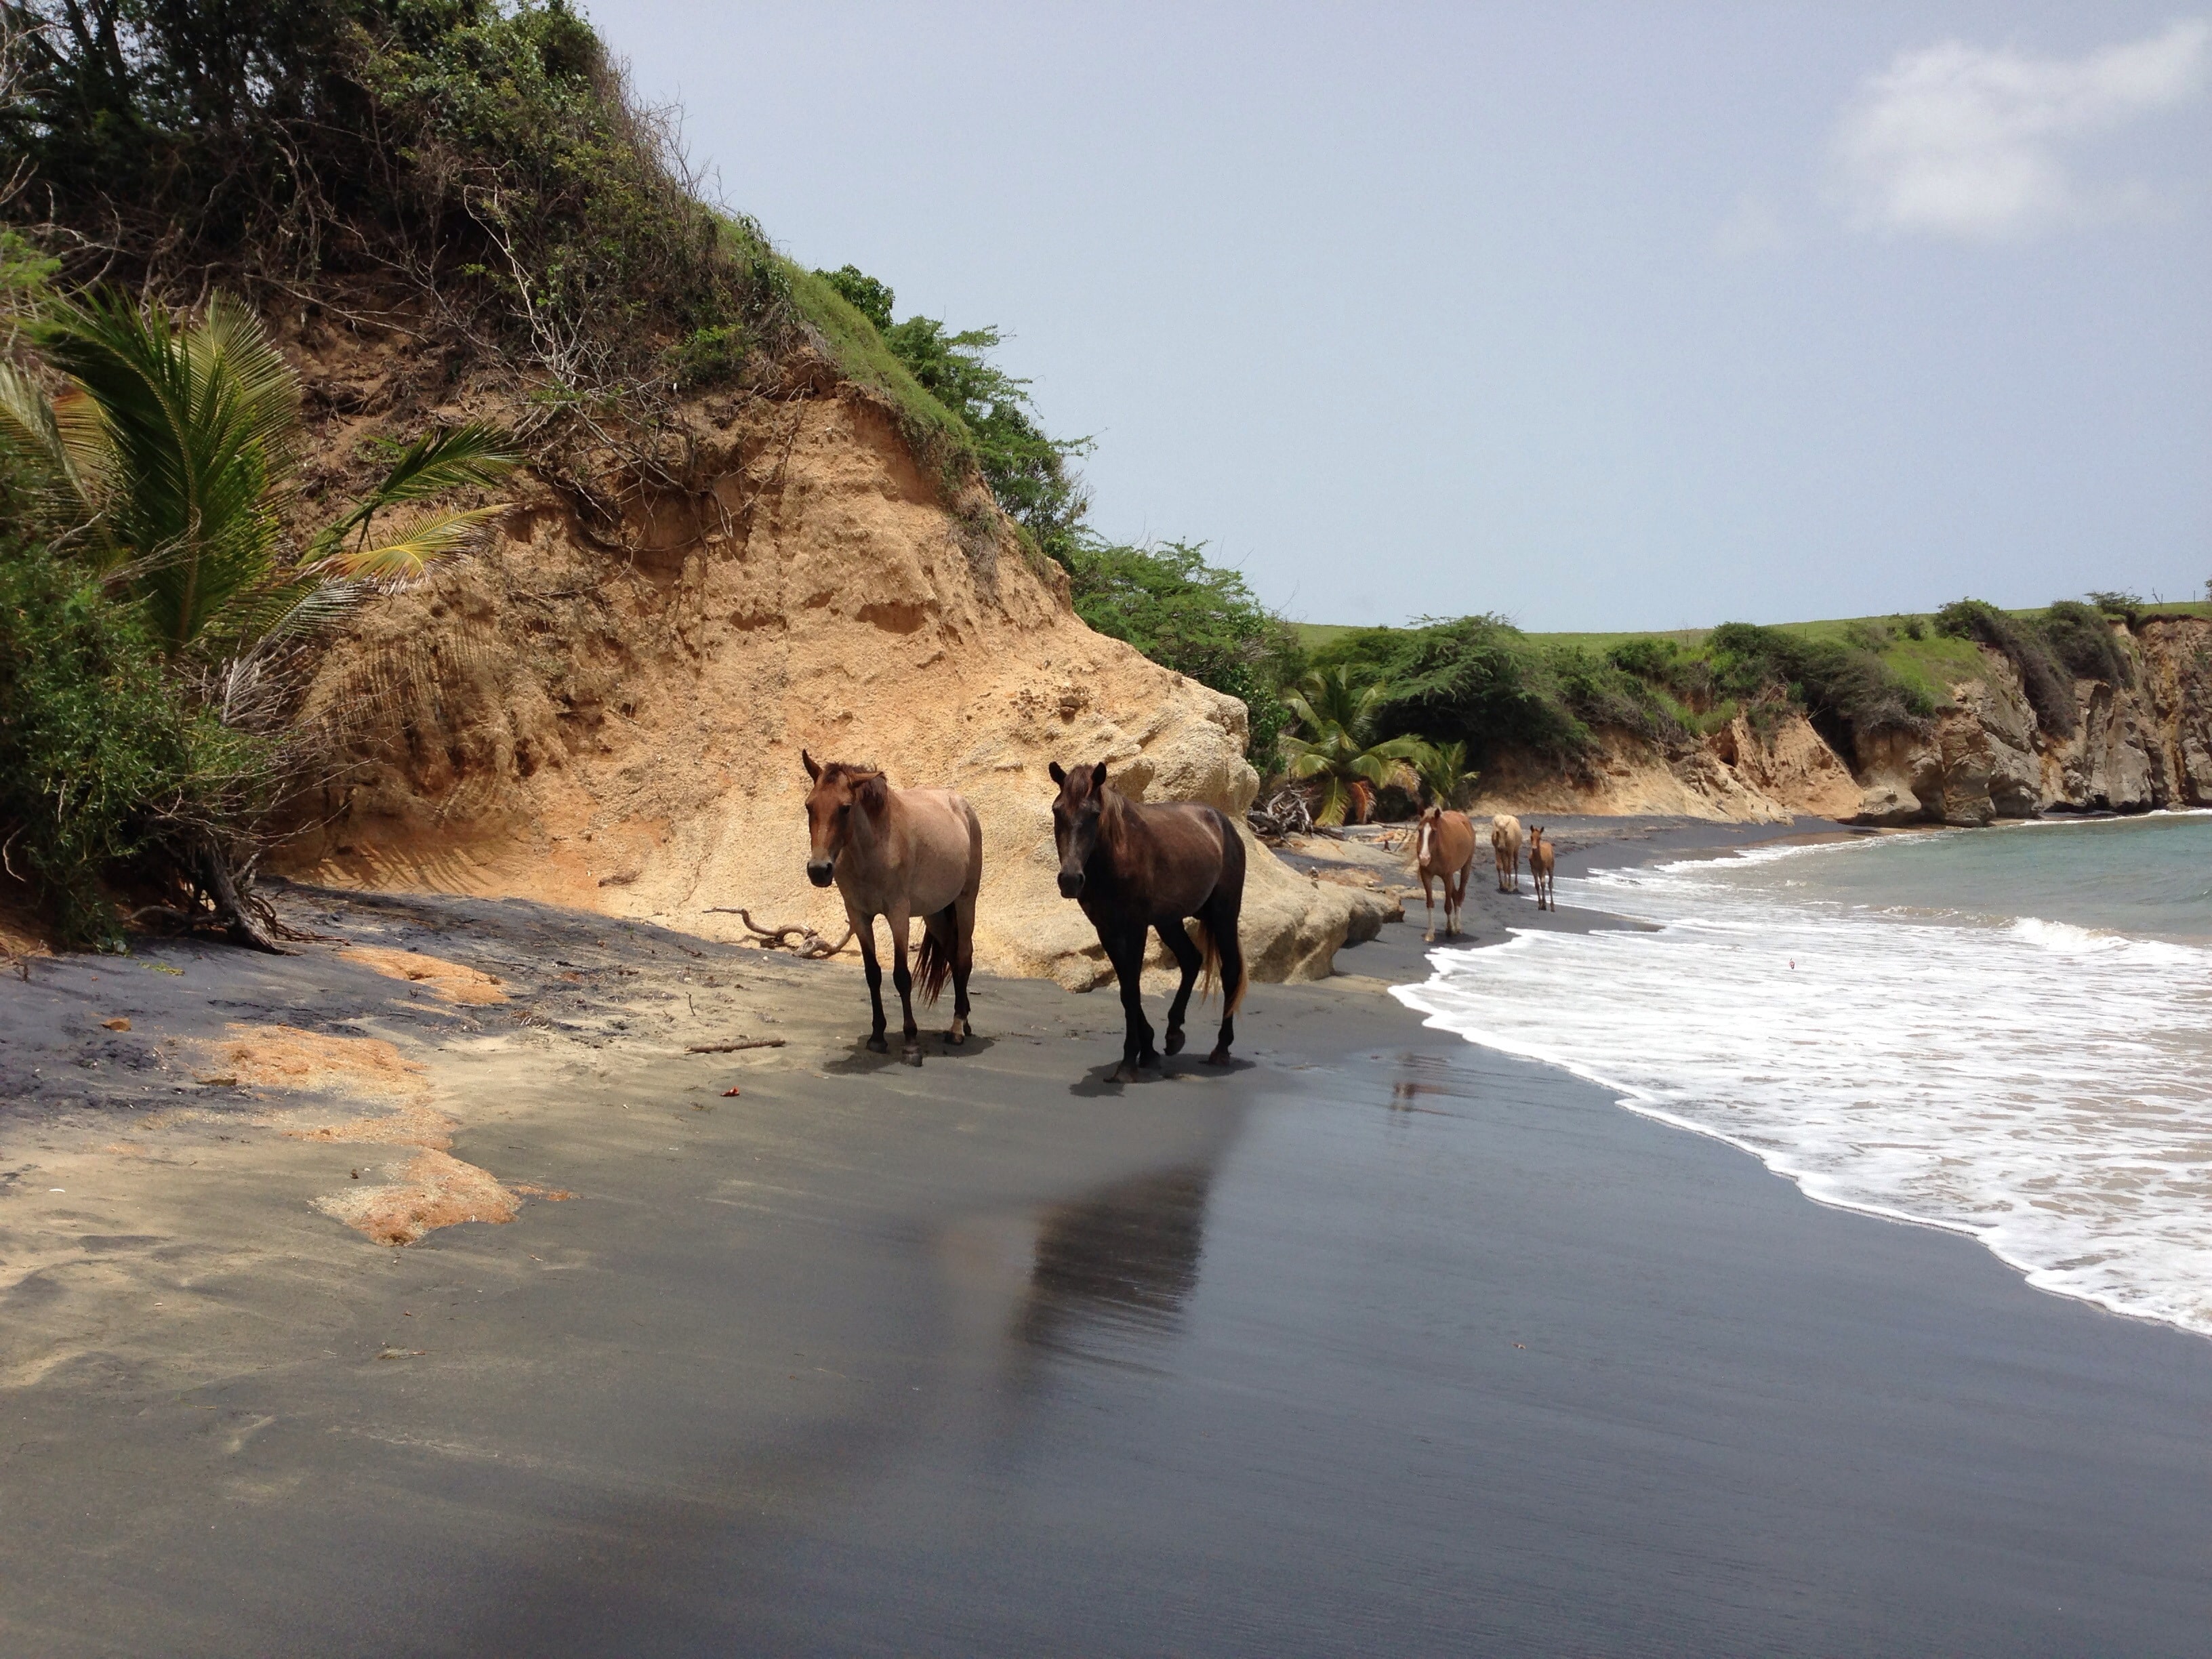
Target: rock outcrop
[1983, 756]
[614, 720]
[1987, 757]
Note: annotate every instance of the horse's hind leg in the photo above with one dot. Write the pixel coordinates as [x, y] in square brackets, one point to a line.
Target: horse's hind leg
[1178, 939]
[956, 936]
[902, 976]
[1220, 919]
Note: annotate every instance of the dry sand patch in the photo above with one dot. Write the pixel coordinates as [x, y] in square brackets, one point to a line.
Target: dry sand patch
[449, 980]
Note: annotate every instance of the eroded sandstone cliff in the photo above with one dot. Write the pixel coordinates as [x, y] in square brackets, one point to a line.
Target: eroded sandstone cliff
[613, 719]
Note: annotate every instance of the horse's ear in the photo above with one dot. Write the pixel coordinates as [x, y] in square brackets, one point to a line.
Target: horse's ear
[1058, 775]
[874, 793]
[1099, 776]
[813, 766]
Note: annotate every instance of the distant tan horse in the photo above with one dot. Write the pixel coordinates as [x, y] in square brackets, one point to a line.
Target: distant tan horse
[1443, 848]
[1505, 847]
[898, 854]
[1540, 868]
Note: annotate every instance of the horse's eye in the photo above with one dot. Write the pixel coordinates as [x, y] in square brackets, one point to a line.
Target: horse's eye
[845, 810]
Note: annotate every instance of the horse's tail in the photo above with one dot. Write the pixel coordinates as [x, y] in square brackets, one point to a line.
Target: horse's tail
[1209, 965]
[932, 963]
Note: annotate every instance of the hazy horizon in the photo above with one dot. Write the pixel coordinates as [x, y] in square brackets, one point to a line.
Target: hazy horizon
[1598, 316]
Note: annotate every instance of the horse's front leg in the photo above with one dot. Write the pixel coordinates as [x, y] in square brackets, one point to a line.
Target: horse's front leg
[865, 927]
[902, 976]
[1128, 956]
[1429, 905]
[1185, 953]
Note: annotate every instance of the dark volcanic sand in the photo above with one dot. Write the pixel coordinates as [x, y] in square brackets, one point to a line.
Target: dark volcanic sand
[1379, 1343]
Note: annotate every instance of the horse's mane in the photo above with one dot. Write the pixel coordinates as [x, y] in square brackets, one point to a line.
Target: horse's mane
[833, 771]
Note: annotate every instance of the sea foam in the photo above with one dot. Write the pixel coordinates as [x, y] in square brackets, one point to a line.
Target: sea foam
[2041, 1085]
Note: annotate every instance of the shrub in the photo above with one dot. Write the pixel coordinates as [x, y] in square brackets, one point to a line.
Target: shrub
[1647, 658]
[476, 148]
[2126, 607]
[1845, 690]
[872, 299]
[91, 738]
[2082, 640]
[2049, 693]
[1476, 680]
[1867, 634]
[1195, 618]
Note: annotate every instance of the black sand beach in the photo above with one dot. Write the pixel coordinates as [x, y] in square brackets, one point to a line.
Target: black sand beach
[1380, 1343]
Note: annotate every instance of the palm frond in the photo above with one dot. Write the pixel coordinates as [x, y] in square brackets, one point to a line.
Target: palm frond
[35, 430]
[232, 357]
[448, 458]
[408, 558]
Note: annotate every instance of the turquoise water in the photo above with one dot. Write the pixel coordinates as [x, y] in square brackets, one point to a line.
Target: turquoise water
[2007, 1032]
[2150, 877]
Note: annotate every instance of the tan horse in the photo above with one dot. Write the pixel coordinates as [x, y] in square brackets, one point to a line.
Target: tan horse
[1505, 847]
[1540, 868]
[898, 854]
[1443, 848]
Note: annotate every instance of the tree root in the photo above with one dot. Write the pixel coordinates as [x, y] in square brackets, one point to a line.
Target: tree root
[800, 941]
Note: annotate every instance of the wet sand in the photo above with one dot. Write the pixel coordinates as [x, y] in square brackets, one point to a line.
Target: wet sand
[1380, 1343]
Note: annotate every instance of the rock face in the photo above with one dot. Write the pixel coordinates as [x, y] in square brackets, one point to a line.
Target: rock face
[1982, 757]
[614, 720]
[1987, 757]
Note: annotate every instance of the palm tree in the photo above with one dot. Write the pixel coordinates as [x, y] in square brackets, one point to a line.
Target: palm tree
[1447, 774]
[169, 461]
[1335, 746]
[167, 466]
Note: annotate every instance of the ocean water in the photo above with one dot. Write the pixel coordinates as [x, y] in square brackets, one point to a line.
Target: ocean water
[2007, 1032]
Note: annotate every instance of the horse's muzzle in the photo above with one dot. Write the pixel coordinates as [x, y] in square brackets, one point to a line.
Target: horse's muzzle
[820, 870]
[1071, 883]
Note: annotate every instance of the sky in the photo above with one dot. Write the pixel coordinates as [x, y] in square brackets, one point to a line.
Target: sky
[1597, 316]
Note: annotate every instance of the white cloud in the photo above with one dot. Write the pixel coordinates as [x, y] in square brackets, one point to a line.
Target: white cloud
[1751, 229]
[1966, 142]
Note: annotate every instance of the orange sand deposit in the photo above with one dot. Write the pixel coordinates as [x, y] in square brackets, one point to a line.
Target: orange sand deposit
[449, 980]
[431, 1189]
[434, 1189]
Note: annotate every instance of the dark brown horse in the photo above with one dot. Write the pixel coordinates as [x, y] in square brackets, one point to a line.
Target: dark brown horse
[1135, 868]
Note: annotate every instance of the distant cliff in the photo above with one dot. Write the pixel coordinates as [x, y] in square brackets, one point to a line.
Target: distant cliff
[2141, 740]
[1988, 756]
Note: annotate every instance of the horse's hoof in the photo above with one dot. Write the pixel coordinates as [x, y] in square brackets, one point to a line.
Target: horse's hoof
[956, 1038]
[1175, 1042]
[1124, 1072]
[910, 1056]
[1429, 937]
[1220, 1056]
[877, 1046]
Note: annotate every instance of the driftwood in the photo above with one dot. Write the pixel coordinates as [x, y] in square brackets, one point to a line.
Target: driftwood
[800, 941]
[734, 1048]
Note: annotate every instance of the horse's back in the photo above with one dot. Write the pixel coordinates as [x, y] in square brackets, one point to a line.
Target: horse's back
[1199, 854]
[1455, 840]
[947, 846]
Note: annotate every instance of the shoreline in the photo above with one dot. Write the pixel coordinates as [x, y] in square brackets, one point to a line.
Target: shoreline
[788, 1370]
